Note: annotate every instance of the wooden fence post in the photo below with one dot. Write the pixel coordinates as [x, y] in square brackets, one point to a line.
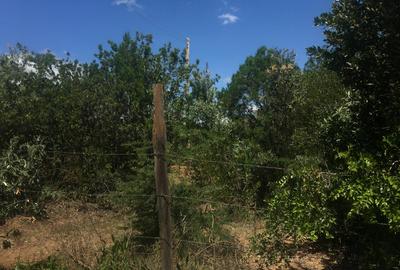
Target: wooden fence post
[161, 177]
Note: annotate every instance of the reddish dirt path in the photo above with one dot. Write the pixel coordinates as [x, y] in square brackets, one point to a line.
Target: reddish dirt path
[72, 229]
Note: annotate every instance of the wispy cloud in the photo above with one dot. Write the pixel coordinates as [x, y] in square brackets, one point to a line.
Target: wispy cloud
[228, 6]
[234, 9]
[130, 4]
[227, 80]
[228, 18]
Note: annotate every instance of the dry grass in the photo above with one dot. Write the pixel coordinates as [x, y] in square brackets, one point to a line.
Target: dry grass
[78, 232]
[75, 230]
[307, 258]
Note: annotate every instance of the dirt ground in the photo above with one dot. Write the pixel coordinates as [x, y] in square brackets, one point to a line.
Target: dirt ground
[74, 230]
[78, 232]
[306, 259]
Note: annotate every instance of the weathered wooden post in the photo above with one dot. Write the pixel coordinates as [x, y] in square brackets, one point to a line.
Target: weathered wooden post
[161, 177]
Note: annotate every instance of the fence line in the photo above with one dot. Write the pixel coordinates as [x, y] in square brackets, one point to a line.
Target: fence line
[210, 201]
[188, 159]
[213, 242]
[208, 252]
[220, 243]
[230, 163]
[184, 159]
[75, 153]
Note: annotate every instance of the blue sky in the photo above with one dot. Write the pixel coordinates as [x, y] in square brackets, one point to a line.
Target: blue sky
[223, 32]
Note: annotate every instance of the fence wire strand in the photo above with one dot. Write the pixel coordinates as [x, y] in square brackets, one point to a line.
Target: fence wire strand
[173, 158]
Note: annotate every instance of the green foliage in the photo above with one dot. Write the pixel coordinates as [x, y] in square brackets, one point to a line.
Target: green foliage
[372, 191]
[137, 193]
[49, 264]
[370, 197]
[225, 167]
[353, 134]
[259, 99]
[319, 95]
[298, 211]
[362, 37]
[191, 222]
[352, 205]
[258, 104]
[299, 204]
[97, 108]
[194, 219]
[123, 256]
[20, 178]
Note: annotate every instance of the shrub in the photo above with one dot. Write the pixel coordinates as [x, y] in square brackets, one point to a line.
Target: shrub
[367, 200]
[196, 219]
[20, 178]
[50, 264]
[137, 193]
[357, 207]
[298, 211]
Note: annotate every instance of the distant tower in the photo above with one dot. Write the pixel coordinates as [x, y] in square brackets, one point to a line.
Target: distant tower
[187, 63]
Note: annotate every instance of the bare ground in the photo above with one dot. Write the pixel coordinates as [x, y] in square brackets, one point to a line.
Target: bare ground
[75, 230]
[79, 231]
[305, 259]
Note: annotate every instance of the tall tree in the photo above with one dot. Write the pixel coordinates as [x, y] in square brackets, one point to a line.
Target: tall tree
[362, 45]
[259, 98]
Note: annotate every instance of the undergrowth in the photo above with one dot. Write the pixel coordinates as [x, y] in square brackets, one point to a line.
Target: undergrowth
[51, 263]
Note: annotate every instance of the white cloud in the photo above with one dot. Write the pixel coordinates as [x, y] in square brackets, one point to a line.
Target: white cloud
[228, 18]
[234, 9]
[227, 80]
[228, 6]
[130, 4]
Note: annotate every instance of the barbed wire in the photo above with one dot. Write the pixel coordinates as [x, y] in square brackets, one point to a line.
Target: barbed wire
[229, 163]
[184, 159]
[169, 157]
[221, 243]
[103, 154]
[198, 248]
[111, 193]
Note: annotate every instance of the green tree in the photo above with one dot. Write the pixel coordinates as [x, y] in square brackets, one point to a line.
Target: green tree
[259, 99]
[359, 204]
[362, 41]
[319, 94]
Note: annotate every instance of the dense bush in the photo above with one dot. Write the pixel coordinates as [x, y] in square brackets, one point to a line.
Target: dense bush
[137, 193]
[21, 178]
[372, 189]
[297, 212]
